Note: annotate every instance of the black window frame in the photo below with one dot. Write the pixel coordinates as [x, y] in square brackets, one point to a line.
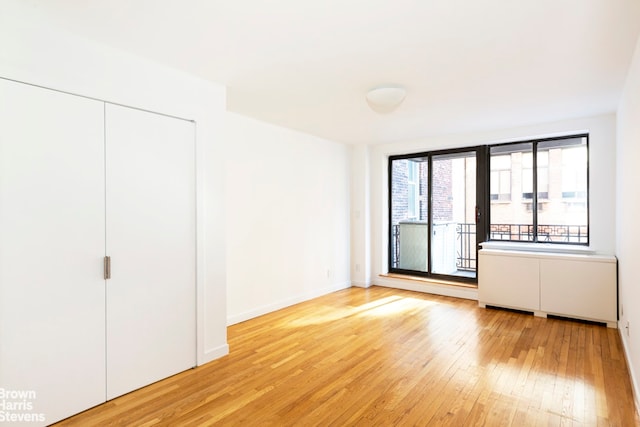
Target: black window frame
[482, 193]
[483, 199]
[535, 195]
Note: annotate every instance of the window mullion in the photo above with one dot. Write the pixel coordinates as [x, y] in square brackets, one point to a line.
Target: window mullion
[429, 210]
[534, 205]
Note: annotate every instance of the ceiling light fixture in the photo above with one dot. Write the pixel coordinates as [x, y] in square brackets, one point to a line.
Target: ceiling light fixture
[385, 99]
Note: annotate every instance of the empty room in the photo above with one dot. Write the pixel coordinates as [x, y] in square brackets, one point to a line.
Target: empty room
[319, 213]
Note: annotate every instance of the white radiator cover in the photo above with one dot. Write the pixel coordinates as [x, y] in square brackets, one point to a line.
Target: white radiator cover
[577, 286]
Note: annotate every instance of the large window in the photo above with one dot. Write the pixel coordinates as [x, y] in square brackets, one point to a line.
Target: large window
[550, 202]
[443, 203]
[432, 213]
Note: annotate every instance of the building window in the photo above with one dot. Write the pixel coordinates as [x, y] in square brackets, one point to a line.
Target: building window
[553, 186]
[574, 177]
[501, 178]
[543, 175]
[413, 190]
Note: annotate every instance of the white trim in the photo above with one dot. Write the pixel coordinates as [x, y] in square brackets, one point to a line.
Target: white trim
[635, 386]
[213, 354]
[106, 101]
[429, 287]
[538, 247]
[268, 308]
[360, 284]
[549, 255]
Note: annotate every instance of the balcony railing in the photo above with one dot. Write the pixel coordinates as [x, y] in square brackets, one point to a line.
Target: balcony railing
[466, 239]
[553, 233]
[466, 247]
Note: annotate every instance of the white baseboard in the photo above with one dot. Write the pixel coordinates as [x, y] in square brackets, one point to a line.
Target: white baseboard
[277, 305]
[213, 354]
[358, 284]
[627, 357]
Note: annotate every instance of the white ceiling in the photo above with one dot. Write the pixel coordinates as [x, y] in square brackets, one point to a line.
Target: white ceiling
[467, 64]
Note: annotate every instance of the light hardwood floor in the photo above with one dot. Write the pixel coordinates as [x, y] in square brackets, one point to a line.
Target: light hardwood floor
[388, 357]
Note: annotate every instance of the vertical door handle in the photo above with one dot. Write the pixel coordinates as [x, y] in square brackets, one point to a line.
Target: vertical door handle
[477, 214]
[107, 267]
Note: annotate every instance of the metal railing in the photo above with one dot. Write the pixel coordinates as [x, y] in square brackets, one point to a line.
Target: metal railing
[554, 233]
[466, 247]
[466, 239]
[395, 238]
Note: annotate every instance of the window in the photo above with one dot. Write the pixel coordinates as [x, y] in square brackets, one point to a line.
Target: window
[443, 203]
[543, 175]
[432, 213]
[553, 185]
[413, 190]
[407, 222]
[501, 178]
[512, 220]
[574, 177]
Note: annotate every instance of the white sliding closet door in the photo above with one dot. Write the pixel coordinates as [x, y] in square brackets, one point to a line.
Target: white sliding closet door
[52, 314]
[151, 319]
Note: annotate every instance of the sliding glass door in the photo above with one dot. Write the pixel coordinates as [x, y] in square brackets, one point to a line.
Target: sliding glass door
[453, 201]
[432, 214]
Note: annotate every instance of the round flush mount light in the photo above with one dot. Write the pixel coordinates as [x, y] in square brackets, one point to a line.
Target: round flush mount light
[384, 99]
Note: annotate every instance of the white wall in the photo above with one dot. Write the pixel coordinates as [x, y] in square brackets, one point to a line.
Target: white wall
[287, 204]
[360, 217]
[33, 51]
[628, 220]
[602, 186]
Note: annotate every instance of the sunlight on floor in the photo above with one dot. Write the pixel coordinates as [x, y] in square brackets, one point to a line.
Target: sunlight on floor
[570, 400]
[383, 307]
[400, 305]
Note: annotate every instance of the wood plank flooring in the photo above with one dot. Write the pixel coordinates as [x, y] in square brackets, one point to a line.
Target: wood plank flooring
[388, 357]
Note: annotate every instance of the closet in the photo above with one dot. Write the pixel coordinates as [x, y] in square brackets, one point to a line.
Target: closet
[81, 182]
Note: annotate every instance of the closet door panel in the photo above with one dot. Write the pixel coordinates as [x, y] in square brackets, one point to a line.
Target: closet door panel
[151, 241]
[52, 315]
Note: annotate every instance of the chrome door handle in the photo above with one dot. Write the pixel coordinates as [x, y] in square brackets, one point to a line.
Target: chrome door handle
[107, 267]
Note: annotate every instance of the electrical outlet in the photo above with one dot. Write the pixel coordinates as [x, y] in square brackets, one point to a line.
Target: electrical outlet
[627, 328]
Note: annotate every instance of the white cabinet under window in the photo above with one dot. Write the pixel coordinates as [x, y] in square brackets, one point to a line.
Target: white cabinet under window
[570, 285]
[82, 179]
[509, 279]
